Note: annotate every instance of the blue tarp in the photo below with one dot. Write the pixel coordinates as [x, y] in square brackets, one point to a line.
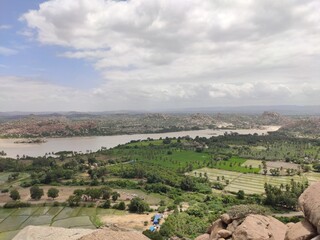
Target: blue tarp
[156, 218]
[152, 229]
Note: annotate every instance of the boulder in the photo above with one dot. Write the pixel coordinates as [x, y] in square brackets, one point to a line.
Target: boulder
[301, 231]
[309, 202]
[216, 227]
[224, 233]
[258, 227]
[226, 218]
[232, 226]
[290, 224]
[205, 236]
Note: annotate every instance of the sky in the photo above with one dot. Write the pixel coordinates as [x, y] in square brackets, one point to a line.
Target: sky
[106, 55]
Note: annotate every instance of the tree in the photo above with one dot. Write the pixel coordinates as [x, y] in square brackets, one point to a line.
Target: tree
[53, 193]
[36, 192]
[106, 204]
[14, 194]
[115, 196]
[121, 206]
[240, 194]
[106, 193]
[74, 200]
[137, 205]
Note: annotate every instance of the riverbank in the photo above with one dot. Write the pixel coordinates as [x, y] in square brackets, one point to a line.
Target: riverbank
[87, 144]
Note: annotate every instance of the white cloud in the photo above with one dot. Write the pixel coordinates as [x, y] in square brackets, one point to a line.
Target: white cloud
[5, 27]
[4, 51]
[160, 53]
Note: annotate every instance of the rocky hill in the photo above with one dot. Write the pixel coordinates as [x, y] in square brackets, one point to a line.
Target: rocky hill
[273, 118]
[303, 127]
[239, 226]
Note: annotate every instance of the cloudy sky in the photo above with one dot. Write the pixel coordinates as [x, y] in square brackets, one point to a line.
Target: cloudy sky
[102, 55]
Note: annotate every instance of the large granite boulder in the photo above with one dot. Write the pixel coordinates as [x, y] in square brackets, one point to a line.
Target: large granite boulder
[205, 236]
[216, 227]
[301, 231]
[258, 227]
[309, 203]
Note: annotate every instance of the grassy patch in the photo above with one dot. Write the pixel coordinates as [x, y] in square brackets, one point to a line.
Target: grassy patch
[236, 164]
[73, 222]
[179, 159]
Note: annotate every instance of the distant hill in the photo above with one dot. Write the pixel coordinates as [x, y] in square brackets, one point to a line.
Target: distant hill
[303, 127]
[254, 110]
[282, 109]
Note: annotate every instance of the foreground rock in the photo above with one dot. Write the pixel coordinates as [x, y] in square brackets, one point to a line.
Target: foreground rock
[108, 234]
[57, 233]
[250, 227]
[51, 233]
[301, 231]
[309, 203]
[260, 227]
[244, 223]
[205, 236]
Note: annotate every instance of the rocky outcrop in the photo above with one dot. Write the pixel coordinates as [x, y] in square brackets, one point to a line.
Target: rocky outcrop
[120, 234]
[260, 227]
[247, 225]
[309, 203]
[51, 233]
[301, 231]
[58, 233]
[251, 227]
[205, 236]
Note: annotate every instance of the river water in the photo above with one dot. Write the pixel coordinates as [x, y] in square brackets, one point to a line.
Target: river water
[84, 144]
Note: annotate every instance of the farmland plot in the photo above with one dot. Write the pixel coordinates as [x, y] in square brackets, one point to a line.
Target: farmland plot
[252, 183]
[12, 220]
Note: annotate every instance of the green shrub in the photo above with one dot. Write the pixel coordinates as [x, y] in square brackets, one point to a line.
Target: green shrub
[153, 235]
[16, 204]
[106, 204]
[241, 211]
[137, 205]
[161, 209]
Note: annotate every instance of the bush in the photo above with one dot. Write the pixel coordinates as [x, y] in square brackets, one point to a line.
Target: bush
[16, 204]
[152, 235]
[26, 184]
[5, 190]
[137, 205]
[161, 209]
[241, 211]
[106, 204]
[286, 220]
[121, 206]
[240, 194]
[74, 200]
[14, 194]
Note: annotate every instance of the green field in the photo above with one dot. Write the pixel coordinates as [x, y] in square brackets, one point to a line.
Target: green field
[12, 220]
[237, 164]
[179, 159]
[252, 183]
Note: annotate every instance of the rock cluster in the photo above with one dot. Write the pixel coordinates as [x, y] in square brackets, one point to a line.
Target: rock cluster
[309, 228]
[259, 227]
[252, 227]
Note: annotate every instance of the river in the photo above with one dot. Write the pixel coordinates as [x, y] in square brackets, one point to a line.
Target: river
[84, 144]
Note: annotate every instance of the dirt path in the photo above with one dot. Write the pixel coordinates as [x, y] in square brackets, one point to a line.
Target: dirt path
[290, 214]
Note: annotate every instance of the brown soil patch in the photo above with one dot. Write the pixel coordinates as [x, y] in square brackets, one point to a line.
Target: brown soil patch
[134, 221]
